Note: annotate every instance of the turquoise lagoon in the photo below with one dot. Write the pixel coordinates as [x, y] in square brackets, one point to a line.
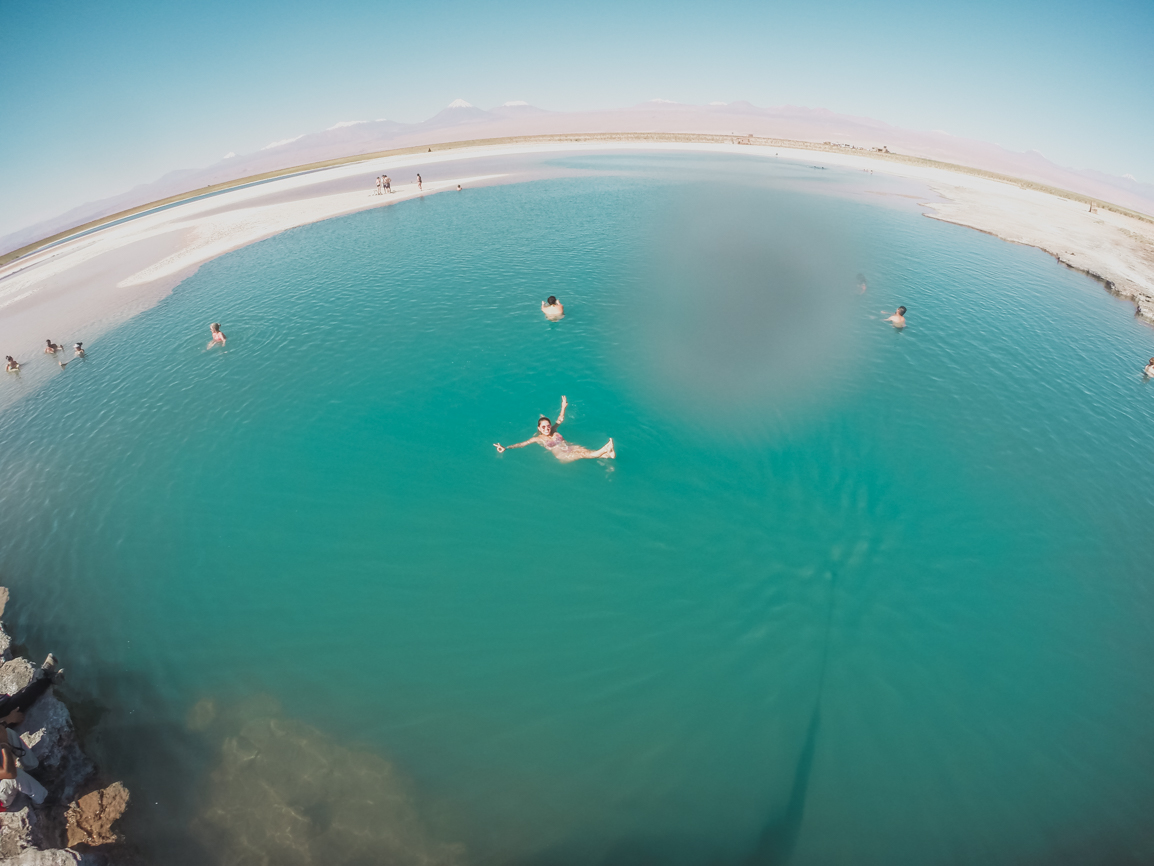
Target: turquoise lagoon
[847, 595]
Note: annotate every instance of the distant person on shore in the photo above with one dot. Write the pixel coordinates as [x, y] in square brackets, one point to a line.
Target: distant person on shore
[217, 335]
[380, 186]
[419, 182]
[549, 439]
[12, 366]
[78, 350]
[898, 319]
[1149, 371]
[553, 309]
[50, 348]
[388, 184]
[15, 757]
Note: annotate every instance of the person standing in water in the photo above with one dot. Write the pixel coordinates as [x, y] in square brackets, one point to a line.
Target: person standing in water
[898, 319]
[217, 335]
[549, 439]
[12, 366]
[553, 309]
[78, 350]
[1149, 371]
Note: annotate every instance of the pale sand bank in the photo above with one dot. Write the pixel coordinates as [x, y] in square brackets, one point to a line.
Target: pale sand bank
[83, 286]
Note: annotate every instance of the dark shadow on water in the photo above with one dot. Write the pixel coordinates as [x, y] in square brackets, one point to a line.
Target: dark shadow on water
[780, 832]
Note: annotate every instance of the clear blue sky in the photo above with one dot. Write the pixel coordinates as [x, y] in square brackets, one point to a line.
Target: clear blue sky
[97, 97]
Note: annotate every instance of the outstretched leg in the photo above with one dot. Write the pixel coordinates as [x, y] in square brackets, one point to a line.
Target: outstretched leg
[576, 452]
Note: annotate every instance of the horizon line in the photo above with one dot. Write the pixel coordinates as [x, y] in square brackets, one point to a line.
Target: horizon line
[304, 168]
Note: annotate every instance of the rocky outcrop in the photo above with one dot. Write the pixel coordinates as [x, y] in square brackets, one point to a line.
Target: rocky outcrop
[47, 731]
[33, 835]
[52, 857]
[90, 818]
[5, 641]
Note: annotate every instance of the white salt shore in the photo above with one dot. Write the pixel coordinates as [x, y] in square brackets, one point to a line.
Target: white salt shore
[81, 287]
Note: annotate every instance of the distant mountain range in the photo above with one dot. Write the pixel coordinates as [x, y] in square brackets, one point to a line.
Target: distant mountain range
[462, 121]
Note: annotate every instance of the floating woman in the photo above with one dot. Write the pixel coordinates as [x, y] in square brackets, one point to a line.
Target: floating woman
[549, 439]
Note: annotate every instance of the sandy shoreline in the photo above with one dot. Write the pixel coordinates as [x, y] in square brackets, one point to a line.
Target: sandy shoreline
[83, 286]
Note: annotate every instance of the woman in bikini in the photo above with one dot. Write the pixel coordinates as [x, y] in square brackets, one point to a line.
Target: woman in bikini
[549, 439]
[217, 334]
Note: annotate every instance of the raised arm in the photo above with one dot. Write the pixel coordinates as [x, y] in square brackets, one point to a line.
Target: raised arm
[561, 414]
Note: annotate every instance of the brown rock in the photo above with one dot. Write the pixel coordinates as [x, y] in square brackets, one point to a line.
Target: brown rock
[90, 818]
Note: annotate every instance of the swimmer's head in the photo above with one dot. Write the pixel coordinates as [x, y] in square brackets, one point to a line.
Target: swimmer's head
[8, 358]
[551, 301]
[901, 311]
[544, 425]
[47, 342]
[215, 326]
[78, 345]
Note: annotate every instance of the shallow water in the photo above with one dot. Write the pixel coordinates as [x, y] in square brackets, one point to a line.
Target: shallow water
[847, 595]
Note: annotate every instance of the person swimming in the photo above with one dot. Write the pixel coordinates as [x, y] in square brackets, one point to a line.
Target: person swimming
[554, 311]
[898, 319]
[549, 439]
[12, 366]
[217, 335]
[1149, 371]
[50, 348]
[78, 350]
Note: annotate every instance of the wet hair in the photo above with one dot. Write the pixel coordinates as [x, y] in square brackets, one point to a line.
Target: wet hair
[547, 421]
[901, 311]
[10, 358]
[215, 326]
[78, 345]
[48, 342]
[551, 301]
